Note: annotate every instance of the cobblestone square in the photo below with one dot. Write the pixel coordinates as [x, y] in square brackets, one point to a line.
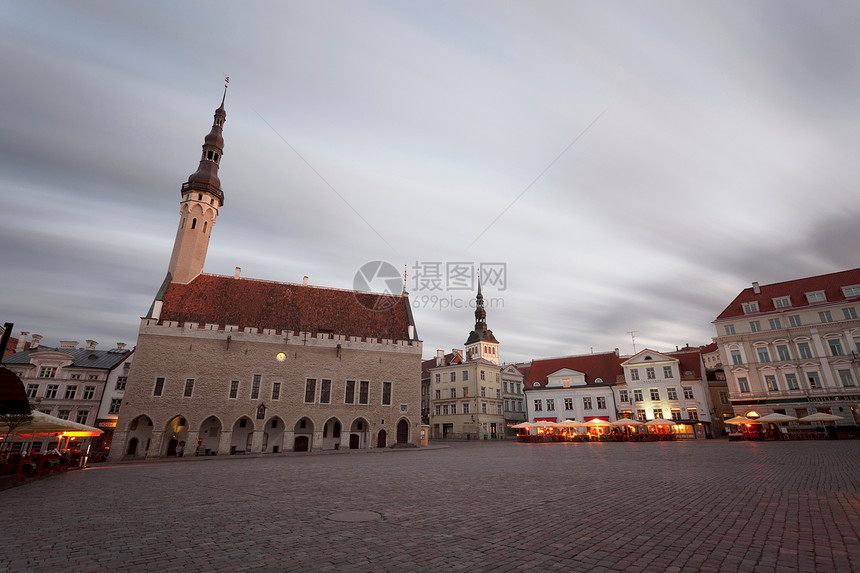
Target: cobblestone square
[487, 506]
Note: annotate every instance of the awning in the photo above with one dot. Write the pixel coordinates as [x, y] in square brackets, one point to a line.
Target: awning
[46, 424]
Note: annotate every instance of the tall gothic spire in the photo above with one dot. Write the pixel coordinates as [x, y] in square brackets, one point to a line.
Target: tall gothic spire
[206, 177]
[481, 332]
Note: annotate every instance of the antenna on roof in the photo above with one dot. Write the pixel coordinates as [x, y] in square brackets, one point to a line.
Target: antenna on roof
[632, 334]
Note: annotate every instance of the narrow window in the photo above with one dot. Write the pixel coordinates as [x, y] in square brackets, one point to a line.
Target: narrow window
[159, 387]
[310, 390]
[325, 392]
[276, 391]
[194, 223]
[255, 387]
[363, 392]
[234, 389]
[189, 387]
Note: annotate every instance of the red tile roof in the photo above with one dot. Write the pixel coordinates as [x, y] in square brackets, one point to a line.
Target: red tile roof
[606, 366]
[689, 361]
[830, 283]
[712, 347]
[223, 300]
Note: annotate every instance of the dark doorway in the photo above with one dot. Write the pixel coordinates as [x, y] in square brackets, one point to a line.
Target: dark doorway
[381, 439]
[301, 444]
[402, 432]
[353, 441]
[171, 447]
[132, 446]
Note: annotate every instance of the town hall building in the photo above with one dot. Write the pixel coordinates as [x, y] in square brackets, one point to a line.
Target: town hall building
[228, 365]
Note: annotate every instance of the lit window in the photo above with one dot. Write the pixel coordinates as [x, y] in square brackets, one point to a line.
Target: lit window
[658, 413]
[48, 372]
[692, 413]
[676, 414]
[770, 381]
[640, 415]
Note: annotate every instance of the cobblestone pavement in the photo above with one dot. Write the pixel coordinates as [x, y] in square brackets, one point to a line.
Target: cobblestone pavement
[665, 506]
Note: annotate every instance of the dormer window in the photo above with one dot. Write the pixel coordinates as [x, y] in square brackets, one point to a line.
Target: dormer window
[851, 291]
[749, 307]
[817, 296]
[782, 302]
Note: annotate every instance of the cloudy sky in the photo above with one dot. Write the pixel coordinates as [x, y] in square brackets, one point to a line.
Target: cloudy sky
[633, 165]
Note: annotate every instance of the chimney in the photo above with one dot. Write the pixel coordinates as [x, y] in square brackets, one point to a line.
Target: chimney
[35, 340]
[756, 288]
[91, 344]
[22, 341]
[440, 357]
[237, 272]
[70, 344]
[616, 352]
[305, 280]
[120, 345]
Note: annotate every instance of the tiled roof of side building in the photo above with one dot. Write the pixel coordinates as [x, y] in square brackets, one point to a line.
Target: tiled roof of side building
[83, 358]
[689, 361]
[606, 366]
[831, 284]
[426, 365]
[223, 300]
[712, 347]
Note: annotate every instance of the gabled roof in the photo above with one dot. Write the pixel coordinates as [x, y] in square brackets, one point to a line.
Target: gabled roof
[606, 366]
[223, 300]
[426, 365]
[708, 348]
[82, 358]
[690, 361]
[796, 289]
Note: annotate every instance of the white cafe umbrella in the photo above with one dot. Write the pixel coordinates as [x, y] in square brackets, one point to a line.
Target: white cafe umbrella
[627, 422]
[776, 417]
[46, 424]
[821, 417]
[660, 422]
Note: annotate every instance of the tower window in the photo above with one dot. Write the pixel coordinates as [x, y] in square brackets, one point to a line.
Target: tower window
[200, 196]
[215, 157]
[194, 223]
[205, 224]
[209, 154]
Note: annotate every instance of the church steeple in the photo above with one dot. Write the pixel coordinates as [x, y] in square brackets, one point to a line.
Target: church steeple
[481, 342]
[201, 198]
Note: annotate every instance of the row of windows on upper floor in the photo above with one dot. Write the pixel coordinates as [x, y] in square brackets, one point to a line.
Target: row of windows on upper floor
[70, 391]
[464, 376]
[451, 409]
[811, 298]
[588, 402]
[650, 373]
[791, 381]
[452, 393]
[354, 391]
[783, 351]
[794, 320]
[55, 372]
